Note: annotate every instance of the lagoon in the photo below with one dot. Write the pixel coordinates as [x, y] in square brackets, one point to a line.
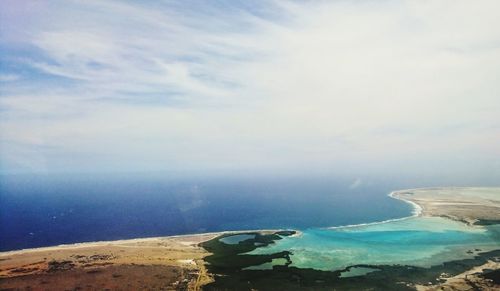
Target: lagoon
[418, 241]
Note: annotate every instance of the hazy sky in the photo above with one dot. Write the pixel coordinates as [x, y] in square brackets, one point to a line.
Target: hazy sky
[251, 86]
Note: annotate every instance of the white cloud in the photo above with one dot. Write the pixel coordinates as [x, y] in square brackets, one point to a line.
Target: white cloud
[328, 85]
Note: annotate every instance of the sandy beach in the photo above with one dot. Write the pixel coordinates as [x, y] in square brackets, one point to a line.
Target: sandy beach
[170, 263]
[165, 262]
[467, 204]
[470, 205]
[177, 262]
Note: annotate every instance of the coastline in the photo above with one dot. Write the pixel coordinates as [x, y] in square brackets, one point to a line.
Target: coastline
[184, 261]
[157, 263]
[199, 237]
[469, 268]
[98, 244]
[418, 210]
[171, 262]
[470, 205]
[465, 205]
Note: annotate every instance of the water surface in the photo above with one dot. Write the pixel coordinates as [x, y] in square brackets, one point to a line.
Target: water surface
[415, 241]
[236, 239]
[45, 211]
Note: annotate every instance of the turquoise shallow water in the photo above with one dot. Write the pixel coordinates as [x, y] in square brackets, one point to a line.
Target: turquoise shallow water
[415, 241]
[235, 239]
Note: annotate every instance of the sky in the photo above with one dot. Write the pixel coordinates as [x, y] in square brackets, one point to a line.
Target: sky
[358, 87]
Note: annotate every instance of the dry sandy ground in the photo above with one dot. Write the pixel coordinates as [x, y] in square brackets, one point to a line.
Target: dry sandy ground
[176, 263]
[466, 204]
[466, 281]
[164, 263]
[170, 263]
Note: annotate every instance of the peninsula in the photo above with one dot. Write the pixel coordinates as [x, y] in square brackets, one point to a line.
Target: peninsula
[472, 205]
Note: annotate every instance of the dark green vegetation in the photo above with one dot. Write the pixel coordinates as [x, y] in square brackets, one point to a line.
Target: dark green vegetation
[493, 275]
[228, 257]
[487, 222]
[228, 261]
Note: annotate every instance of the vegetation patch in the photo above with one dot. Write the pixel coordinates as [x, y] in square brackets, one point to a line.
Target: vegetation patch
[228, 261]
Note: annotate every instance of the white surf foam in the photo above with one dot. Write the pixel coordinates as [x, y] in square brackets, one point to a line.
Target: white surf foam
[417, 211]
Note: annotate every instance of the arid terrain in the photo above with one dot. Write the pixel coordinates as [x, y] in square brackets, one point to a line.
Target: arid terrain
[171, 263]
[178, 263]
[470, 205]
[467, 204]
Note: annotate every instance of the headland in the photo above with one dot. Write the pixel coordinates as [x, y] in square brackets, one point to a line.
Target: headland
[471, 205]
[474, 206]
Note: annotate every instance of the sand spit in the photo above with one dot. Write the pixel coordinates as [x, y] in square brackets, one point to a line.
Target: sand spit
[178, 262]
[466, 204]
[170, 263]
[470, 205]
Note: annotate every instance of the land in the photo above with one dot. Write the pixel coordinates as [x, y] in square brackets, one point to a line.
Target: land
[162, 263]
[229, 264]
[195, 262]
[167, 263]
[471, 205]
[475, 206]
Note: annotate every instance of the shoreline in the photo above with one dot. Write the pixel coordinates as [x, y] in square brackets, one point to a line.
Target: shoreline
[184, 261]
[99, 243]
[210, 235]
[418, 211]
[473, 206]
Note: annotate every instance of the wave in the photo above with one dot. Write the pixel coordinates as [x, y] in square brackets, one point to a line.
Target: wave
[417, 211]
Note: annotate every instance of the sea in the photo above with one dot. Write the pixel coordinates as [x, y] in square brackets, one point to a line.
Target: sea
[42, 210]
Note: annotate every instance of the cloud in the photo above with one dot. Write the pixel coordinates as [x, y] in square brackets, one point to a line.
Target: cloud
[9, 77]
[331, 86]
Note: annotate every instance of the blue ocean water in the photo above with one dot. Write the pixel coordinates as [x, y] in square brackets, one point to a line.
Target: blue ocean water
[40, 211]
